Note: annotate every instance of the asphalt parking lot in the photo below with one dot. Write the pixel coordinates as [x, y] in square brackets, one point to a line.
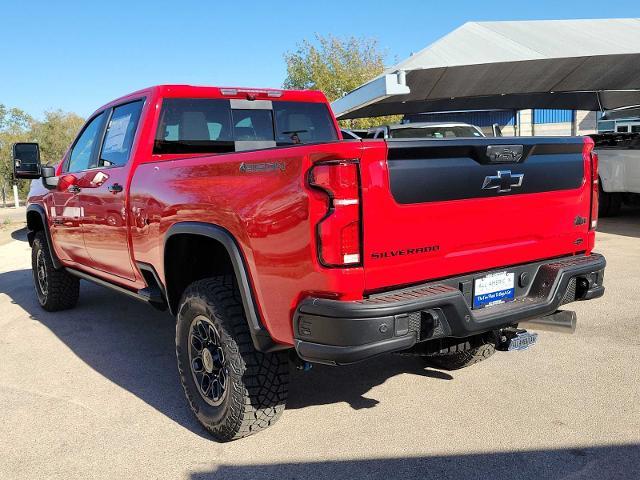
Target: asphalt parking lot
[94, 393]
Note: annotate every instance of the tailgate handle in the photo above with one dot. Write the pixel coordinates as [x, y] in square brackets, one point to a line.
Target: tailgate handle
[505, 153]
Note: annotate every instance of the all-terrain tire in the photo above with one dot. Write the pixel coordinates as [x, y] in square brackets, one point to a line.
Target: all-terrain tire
[257, 383]
[461, 355]
[56, 289]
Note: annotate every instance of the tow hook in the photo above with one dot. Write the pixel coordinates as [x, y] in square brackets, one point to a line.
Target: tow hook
[298, 363]
[512, 338]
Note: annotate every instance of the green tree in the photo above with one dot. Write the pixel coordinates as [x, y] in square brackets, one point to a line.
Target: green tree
[336, 66]
[54, 134]
[15, 126]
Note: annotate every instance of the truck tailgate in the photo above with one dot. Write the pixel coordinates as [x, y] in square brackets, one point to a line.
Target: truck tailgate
[438, 208]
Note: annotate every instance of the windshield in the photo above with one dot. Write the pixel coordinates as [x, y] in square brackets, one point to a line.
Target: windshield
[435, 132]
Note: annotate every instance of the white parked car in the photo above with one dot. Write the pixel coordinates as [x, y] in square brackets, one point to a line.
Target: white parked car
[619, 168]
[425, 130]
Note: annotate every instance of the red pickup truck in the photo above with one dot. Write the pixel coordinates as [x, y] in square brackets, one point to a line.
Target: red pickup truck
[273, 241]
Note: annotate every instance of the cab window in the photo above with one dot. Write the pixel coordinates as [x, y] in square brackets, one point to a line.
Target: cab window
[84, 147]
[120, 133]
[208, 125]
[251, 125]
[194, 125]
[303, 122]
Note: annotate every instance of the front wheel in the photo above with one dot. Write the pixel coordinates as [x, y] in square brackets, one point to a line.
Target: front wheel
[233, 389]
[56, 289]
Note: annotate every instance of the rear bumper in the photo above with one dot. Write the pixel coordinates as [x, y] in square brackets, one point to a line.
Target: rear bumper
[341, 332]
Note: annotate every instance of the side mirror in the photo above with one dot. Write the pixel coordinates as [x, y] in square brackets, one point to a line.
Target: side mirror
[49, 179]
[26, 160]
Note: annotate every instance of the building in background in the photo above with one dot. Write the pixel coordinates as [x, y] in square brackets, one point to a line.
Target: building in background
[621, 125]
[537, 122]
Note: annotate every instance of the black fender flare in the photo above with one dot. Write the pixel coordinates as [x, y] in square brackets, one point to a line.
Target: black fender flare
[259, 334]
[39, 210]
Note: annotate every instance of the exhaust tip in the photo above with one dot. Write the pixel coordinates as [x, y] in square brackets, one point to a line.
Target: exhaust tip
[562, 321]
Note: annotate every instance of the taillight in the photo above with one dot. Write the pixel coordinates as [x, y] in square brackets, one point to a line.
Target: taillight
[593, 161]
[338, 234]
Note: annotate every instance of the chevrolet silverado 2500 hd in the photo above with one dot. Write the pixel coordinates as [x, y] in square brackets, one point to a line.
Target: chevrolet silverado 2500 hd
[271, 239]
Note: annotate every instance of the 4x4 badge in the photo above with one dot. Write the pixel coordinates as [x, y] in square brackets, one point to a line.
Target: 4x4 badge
[504, 181]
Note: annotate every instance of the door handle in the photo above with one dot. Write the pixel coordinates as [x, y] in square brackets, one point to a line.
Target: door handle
[73, 189]
[115, 188]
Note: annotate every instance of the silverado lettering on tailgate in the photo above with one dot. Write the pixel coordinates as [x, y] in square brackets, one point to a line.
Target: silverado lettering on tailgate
[403, 252]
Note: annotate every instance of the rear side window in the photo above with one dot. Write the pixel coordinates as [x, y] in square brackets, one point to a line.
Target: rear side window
[198, 125]
[119, 135]
[212, 126]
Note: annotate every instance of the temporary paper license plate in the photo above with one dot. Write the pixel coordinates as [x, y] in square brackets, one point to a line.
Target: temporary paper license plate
[493, 289]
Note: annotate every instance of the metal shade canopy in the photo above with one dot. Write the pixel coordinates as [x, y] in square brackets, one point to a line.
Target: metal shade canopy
[622, 113]
[569, 64]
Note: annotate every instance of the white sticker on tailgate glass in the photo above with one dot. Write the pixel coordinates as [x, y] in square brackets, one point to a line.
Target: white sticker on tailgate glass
[493, 289]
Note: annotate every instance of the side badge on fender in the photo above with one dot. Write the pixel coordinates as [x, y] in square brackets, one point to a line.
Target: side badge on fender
[262, 167]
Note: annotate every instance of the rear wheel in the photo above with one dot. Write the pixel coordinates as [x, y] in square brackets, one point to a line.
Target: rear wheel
[56, 289]
[462, 355]
[233, 389]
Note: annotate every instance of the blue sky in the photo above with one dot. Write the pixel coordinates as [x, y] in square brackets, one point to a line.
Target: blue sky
[79, 55]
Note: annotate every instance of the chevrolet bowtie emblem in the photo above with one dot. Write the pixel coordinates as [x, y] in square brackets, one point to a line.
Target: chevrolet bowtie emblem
[504, 181]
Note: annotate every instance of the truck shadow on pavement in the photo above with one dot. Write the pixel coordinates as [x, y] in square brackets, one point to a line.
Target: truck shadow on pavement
[598, 463]
[20, 234]
[326, 385]
[132, 345]
[626, 223]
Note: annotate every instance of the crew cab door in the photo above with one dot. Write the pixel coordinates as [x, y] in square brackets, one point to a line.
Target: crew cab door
[65, 207]
[103, 196]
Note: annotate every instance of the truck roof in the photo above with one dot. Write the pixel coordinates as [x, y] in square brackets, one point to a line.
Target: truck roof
[197, 91]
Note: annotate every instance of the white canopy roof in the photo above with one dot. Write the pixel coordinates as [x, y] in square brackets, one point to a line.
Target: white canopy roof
[581, 64]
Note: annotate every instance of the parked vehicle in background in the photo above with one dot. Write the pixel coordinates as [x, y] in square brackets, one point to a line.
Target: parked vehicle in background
[271, 240]
[425, 130]
[619, 155]
[349, 135]
[628, 126]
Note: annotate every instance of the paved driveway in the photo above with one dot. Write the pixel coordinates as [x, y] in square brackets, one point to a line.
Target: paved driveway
[93, 393]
